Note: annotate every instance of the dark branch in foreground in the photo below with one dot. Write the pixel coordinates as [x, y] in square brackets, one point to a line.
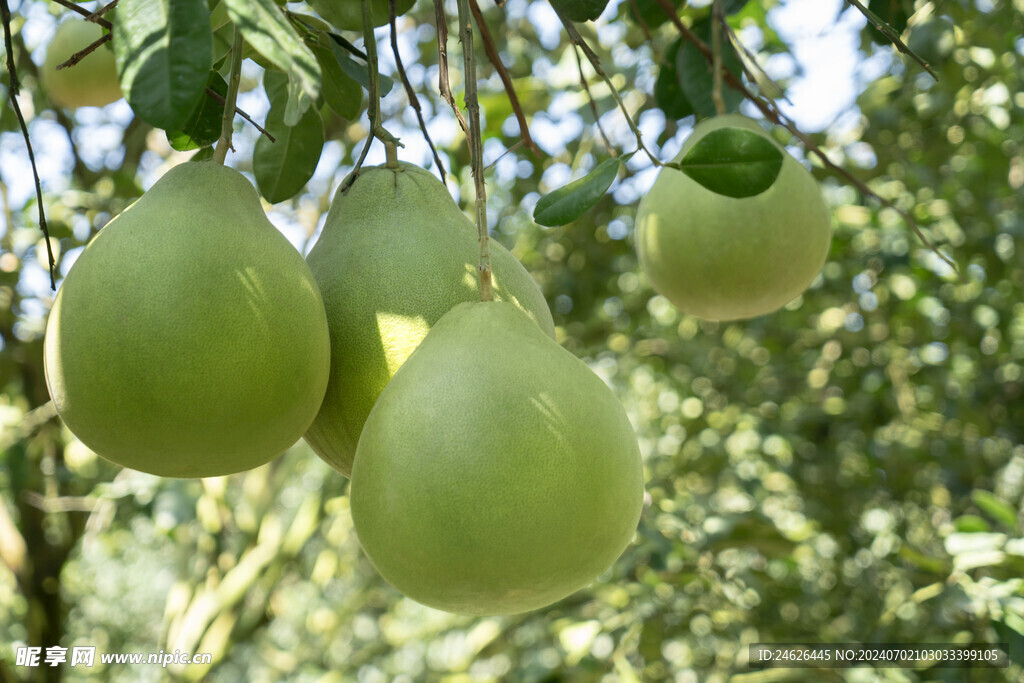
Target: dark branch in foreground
[12, 93]
[413, 100]
[506, 79]
[891, 34]
[442, 62]
[217, 96]
[90, 16]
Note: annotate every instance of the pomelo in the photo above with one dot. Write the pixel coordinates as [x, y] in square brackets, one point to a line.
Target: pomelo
[189, 338]
[497, 473]
[723, 258]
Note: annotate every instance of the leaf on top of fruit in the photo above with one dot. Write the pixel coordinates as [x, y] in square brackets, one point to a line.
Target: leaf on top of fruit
[283, 167]
[571, 201]
[734, 162]
[267, 30]
[203, 126]
[580, 10]
[154, 38]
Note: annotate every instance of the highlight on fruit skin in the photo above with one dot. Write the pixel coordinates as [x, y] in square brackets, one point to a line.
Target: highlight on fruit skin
[395, 254]
[722, 258]
[497, 473]
[189, 338]
[92, 82]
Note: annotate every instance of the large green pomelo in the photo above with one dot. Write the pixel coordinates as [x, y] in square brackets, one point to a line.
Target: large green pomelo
[497, 473]
[723, 258]
[90, 83]
[189, 338]
[396, 253]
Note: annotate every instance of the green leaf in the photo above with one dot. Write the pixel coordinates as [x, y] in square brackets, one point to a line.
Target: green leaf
[735, 162]
[163, 54]
[203, 127]
[650, 14]
[580, 10]
[667, 92]
[358, 72]
[696, 80]
[270, 33]
[995, 507]
[283, 168]
[571, 201]
[341, 92]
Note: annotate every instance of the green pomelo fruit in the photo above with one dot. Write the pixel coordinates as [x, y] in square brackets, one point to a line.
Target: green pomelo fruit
[396, 253]
[497, 473]
[189, 338]
[347, 15]
[723, 258]
[90, 83]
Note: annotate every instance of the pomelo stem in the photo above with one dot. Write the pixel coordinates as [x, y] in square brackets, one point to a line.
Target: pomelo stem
[476, 149]
[373, 107]
[220, 153]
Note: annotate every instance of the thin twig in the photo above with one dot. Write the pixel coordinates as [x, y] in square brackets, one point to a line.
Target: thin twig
[413, 99]
[217, 96]
[84, 52]
[101, 11]
[12, 93]
[511, 148]
[506, 79]
[761, 76]
[716, 61]
[90, 16]
[891, 34]
[476, 147]
[373, 105]
[220, 153]
[442, 62]
[771, 111]
[595, 62]
[593, 104]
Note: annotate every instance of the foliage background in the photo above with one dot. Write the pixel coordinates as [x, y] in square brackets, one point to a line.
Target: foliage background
[850, 468]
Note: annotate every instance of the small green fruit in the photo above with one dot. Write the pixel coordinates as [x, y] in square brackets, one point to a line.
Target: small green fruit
[497, 473]
[90, 83]
[189, 338]
[723, 258]
[396, 253]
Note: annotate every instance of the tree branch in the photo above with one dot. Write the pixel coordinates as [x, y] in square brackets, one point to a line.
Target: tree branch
[442, 62]
[413, 99]
[506, 79]
[12, 93]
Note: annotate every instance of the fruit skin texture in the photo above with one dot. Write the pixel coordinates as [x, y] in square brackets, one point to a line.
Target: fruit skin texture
[396, 253]
[189, 338]
[90, 83]
[722, 258]
[497, 473]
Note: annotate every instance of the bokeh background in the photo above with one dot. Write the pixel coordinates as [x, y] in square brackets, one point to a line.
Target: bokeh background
[850, 468]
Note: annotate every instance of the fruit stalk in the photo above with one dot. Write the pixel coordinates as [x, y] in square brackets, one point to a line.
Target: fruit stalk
[476, 149]
[220, 153]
